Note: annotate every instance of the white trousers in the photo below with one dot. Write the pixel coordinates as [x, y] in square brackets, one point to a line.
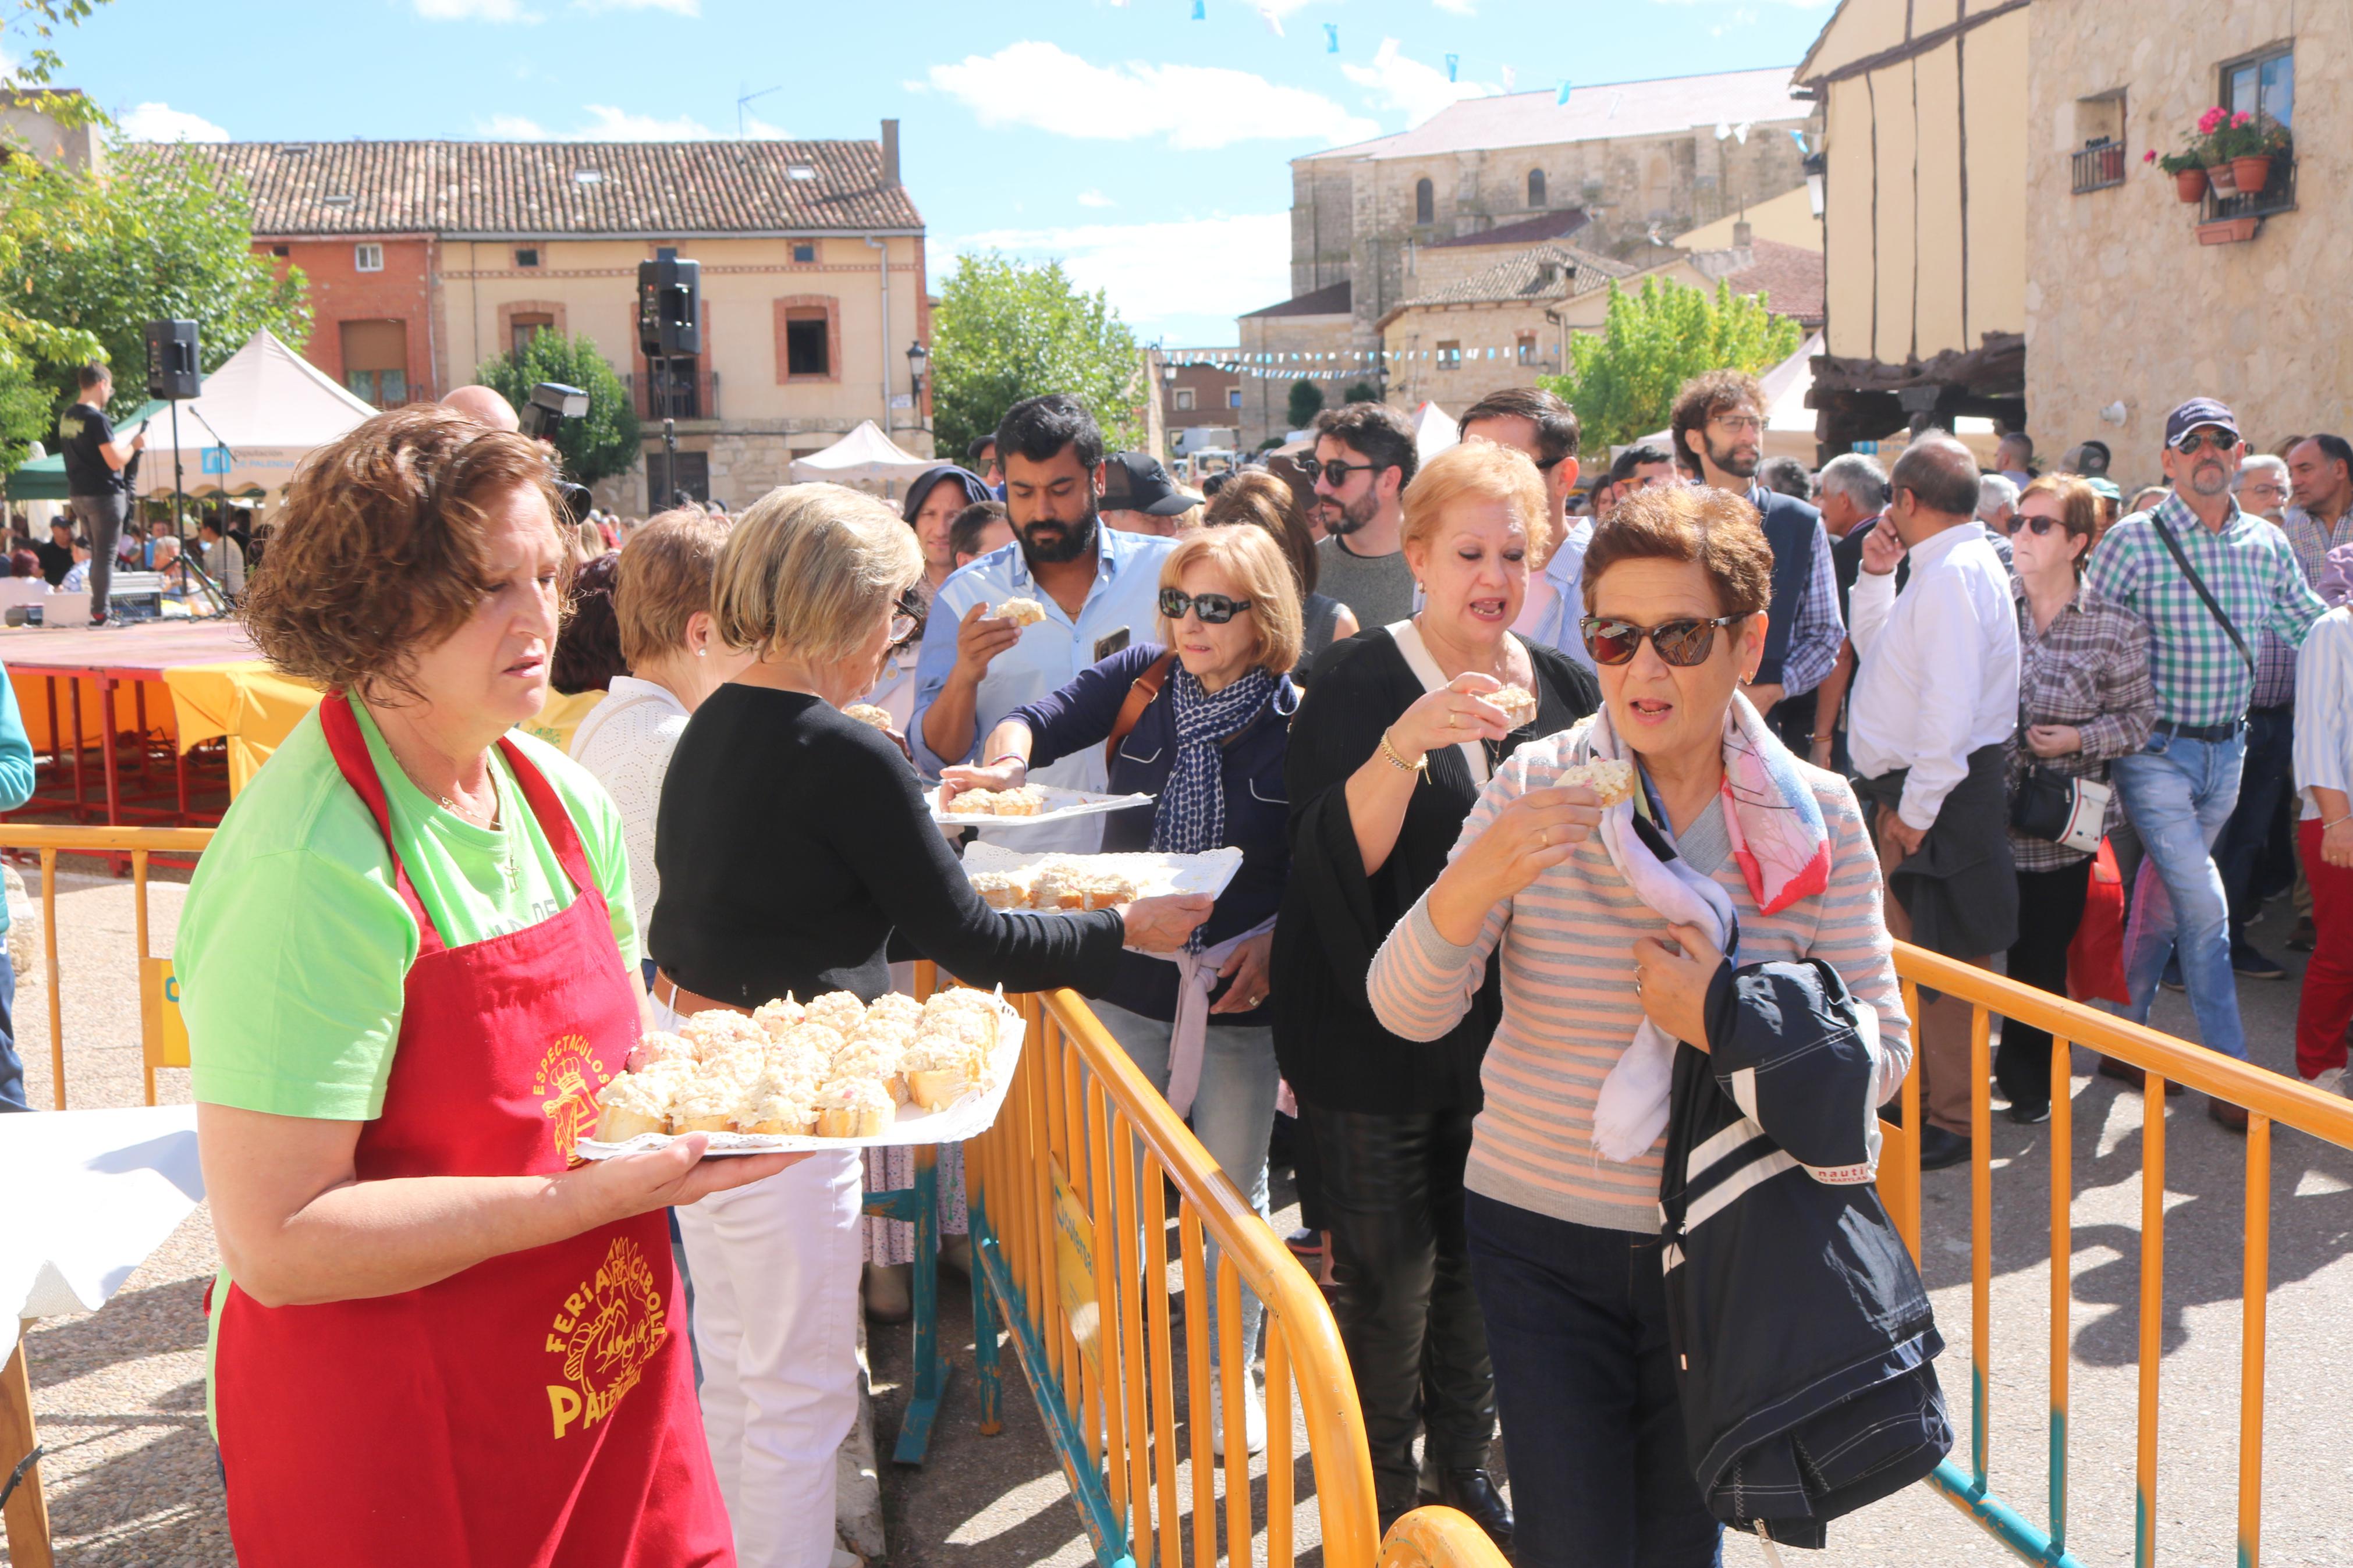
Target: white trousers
[775, 1318]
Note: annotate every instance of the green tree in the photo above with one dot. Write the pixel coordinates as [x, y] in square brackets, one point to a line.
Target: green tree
[605, 443]
[1306, 401]
[164, 234]
[1008, 330]
[1622, 382]
[1363, 392]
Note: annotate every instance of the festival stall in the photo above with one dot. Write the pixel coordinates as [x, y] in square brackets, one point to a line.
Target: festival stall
[864, 457]
[260, 414]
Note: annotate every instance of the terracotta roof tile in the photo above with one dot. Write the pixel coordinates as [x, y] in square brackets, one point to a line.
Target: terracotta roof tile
[535, 188]
[1789, 278]
[1542, 272]
[1556, 224]
[1332, 300]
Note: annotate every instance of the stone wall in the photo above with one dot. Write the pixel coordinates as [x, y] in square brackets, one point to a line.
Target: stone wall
[1265, 395]
[2123, 303]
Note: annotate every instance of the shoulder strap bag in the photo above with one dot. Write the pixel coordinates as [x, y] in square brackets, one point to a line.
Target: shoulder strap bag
[2173, 548]
[1139, 696]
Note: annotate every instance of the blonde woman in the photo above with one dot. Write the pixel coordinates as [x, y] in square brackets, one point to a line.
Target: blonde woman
[1207, 743]
[793, 843]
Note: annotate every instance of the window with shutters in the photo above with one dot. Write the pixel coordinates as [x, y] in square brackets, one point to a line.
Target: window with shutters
[375, 360]
[1450, 356]
[526, 328]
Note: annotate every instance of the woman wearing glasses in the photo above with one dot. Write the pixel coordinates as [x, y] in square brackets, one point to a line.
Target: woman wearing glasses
[1199, 721]
[2085, 695]
[1562, 1212]
[793, 843]
[1393, 743]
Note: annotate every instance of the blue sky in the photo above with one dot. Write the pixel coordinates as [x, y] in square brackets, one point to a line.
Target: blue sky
[1149, 149]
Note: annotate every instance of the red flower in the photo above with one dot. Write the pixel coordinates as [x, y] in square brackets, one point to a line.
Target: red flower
[2149, 156]
[2240, 120]
[2211, 119]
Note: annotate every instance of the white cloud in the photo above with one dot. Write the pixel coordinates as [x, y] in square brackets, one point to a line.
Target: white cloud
[1399, 83]
[475, 11]
[1214, 267]
[161, 122]
[760, 129]
[683, 7]
[1197, 108]
[617, 125]
[1095, 199]
[510, 128]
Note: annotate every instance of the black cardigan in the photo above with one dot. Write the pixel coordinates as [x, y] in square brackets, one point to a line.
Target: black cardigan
[1333, 1052]
[791, 841]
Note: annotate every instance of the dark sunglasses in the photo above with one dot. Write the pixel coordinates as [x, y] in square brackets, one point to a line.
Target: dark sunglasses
[2220, 440]
[907, 617]
[2039, 526]
[1679, 643]
[1335, 472]
[1214, 609]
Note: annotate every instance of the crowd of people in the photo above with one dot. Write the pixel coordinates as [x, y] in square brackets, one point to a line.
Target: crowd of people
[1553, 802]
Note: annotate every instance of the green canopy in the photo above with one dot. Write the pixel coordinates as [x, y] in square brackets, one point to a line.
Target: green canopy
[44, 478]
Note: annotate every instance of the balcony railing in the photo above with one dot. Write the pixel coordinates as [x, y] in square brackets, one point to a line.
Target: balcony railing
[2099, 166]
[2278, 195]
[676, 395]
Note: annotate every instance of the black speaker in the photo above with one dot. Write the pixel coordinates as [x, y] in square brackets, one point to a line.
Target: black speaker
[668, 294]
[172, 370]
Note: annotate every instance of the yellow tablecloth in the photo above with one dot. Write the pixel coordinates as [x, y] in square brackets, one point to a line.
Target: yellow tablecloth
[254, 708]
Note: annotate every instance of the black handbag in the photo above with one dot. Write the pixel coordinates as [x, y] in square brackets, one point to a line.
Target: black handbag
[2059, 808]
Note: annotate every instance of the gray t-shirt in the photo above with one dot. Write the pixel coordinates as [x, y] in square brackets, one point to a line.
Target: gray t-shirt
[1379, 588]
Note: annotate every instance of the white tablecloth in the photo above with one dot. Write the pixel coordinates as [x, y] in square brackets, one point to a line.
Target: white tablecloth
[85, 1195]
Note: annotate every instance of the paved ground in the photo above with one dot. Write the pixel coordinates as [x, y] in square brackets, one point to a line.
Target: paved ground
[120, 1394]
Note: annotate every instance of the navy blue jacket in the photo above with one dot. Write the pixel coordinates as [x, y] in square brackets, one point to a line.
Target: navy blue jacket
[1258, 809]
[1803, 1336]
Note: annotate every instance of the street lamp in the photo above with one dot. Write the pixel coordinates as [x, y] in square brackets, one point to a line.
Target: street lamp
[919, 359]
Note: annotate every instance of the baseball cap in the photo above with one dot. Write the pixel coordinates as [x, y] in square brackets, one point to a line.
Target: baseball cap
[2106, 488]
[2196, 411]
[1134, 481]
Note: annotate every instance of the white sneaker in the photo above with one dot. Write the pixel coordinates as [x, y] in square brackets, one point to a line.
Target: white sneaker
[1253, 1414]
[2330, 1081]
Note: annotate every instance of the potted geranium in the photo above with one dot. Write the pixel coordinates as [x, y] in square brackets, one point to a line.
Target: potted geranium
[2220, 171]
[2249, 143]
[2188, 169]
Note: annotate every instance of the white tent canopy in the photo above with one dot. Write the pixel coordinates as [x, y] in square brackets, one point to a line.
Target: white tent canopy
[260, 414]
[1434, 430]
[864, 454]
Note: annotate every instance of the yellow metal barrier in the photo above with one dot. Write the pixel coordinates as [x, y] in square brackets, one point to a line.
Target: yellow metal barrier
[164, 1043]
[2267, 1096]
[1071, 1238]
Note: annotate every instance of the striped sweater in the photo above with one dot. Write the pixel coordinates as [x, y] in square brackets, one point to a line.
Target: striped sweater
[1569, 1007]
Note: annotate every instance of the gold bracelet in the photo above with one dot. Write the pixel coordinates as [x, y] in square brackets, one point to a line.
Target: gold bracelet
[1418, 765]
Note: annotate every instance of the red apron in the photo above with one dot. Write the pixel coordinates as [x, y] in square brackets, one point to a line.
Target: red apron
[538, 1409]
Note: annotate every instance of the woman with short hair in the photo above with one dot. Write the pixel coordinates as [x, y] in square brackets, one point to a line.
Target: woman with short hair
[1563, 1205]
[1257, 496]
[1396, 735]
[661, 610]
[2085, 696]
[794, 843]
[409, 962]
[1197, 718]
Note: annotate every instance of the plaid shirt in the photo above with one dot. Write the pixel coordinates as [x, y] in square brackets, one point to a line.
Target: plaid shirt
[2274, 660]
[2089, 668]
[2253, 574]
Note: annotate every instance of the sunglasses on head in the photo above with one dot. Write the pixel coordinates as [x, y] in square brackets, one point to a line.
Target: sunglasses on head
[2220, 440]
[1682, 643]
[1214, 609]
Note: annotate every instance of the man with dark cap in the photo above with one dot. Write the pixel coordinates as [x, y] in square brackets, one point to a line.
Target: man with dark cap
[1935, 703]
[2206, 577]
[1140, 498]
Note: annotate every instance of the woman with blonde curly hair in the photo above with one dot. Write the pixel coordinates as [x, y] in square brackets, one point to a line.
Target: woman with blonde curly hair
[409, 962]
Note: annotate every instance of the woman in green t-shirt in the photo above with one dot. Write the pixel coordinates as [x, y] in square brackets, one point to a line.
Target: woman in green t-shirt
[408, 961]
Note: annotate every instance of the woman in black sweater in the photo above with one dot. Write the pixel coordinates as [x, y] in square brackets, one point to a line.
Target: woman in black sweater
[1392, 744]
[792, 842]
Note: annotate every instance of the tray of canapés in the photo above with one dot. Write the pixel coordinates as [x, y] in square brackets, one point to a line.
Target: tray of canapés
[1054, 883]
[834, 1073]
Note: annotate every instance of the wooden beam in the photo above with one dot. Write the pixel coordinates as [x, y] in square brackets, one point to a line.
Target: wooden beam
[1911, 48]
[28, 1508]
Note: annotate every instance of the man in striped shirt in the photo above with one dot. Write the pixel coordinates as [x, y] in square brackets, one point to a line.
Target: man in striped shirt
[2180, 789]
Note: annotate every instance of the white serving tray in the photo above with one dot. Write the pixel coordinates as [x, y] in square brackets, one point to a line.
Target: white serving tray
[1062, 805]
[968, 1116]
[1154, 874]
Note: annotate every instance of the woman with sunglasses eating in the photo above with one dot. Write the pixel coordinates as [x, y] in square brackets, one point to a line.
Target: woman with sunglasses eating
[1718, 820]
[1398, 732]
[1199, 721]
[2085, 695]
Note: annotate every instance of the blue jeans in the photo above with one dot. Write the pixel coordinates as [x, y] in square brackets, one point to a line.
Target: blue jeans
[2178, 794]
[1585, 1381]
[12, 1065]
[2262, 784]
[1232, 1114]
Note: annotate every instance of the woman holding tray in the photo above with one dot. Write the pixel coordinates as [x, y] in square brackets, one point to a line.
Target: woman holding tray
[792, 842]
[1199, 720]
[409, 962]
[1392, 744]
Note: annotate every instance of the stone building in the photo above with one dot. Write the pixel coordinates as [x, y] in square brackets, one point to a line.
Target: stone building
[1307, 333]
[1200, 392]
[1634, 161]
[428, 258]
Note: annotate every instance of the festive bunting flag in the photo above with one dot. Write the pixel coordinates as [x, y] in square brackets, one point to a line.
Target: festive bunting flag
[1200, 10]
[1273, 22]
[1511, 78]
[1453, 63]
[1563, 86]
[1330, 37]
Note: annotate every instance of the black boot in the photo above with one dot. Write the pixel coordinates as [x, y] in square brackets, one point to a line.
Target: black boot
[1472, 1491]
